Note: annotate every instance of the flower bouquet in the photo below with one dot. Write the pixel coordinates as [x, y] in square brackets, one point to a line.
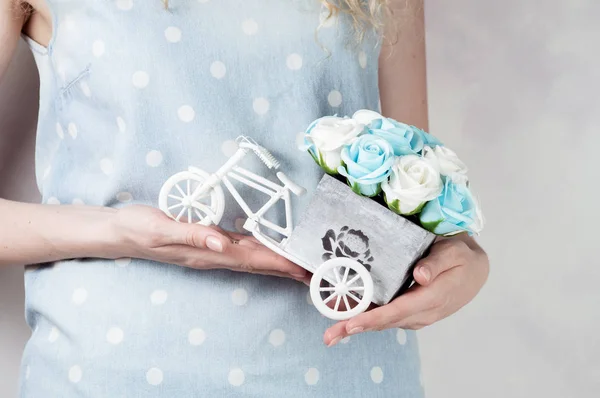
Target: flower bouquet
[389, 190]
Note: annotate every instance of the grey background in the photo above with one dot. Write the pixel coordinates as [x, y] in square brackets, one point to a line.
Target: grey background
[515, 90]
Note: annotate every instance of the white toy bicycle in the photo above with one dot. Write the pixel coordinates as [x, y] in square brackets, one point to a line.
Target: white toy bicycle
[340, 287]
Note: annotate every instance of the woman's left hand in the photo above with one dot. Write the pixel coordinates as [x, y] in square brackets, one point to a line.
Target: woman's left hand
[446, 280]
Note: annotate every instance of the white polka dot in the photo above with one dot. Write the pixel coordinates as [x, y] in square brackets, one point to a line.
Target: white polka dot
[158, 297]
[79, 296]
[362, 59]
[345, 340]
[114, 335]
[277, 337]
[236, 377]
[140, 79]
[239, 297]
[229, 148]
[72, 130]
[186, 113]
[53, 201]
[250, 27]
[218, 69]
[27, 372]
[154, 376]
[124, 197]
[173, 34]
[239, 225]
[300, 139]
[122, 262]
[125, 4]
[309, 299]
[121, 124]
[261, 105]
[377, 375]
[75, 374]
[154, 158]
[54, 335]
[106, 165]
[335, 98]
[47, 172]
[98, 48]
[77, 202]
[196, 336]
[311, 376]
[59, 131]
[294, 61]
[85, 89]
[401, 336]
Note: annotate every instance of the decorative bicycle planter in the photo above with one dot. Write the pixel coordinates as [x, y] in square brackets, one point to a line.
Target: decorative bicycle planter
[358, 251]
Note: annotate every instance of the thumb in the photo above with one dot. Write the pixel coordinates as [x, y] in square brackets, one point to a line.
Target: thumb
[195, 235]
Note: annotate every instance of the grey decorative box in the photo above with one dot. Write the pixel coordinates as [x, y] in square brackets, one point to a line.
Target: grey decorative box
[340, 223]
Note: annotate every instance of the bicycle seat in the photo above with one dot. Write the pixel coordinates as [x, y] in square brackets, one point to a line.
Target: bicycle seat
[291, 185]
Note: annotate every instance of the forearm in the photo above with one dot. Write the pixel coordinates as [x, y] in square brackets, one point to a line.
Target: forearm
[33, 233]
[402, 65]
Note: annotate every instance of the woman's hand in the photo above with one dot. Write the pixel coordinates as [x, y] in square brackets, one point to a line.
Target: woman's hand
[447, 279]
[146, 232]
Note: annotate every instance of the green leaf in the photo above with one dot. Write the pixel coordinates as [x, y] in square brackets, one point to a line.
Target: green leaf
[323, 165]
[355, 188]
[431, 225]
[395, 206]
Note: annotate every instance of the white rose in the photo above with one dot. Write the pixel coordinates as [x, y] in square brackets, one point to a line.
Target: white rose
[366, 116]
[329, 135]
[447, 163]
[413, 182]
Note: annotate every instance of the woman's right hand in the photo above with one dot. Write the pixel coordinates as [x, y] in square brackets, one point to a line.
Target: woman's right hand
[146, 232]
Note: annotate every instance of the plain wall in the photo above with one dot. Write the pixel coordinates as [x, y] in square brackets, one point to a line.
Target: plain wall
[515, 89]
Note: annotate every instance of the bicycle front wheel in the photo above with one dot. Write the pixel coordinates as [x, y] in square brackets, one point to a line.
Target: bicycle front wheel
[175, 199]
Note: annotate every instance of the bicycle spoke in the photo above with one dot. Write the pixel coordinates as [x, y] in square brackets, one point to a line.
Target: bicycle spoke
[357, 289]
[180, 214]
[357, 277]
[328, 299]
[347, 303]
[188, 187]
[346, 274]
[190, 216]
[327, 289]
[175, 197]
[353, 297]
[337, 275]
[337, 303]
[175, 206]
[180, 190]
[198, 214]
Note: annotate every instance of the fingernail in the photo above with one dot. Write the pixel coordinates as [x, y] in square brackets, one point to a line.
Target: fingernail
[334, 341]
[214, 244]
[424, 271]
[355, 330]
[299, 276]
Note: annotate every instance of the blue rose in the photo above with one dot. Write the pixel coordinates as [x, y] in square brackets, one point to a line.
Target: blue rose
[428, 139]
[367, 163]
[454, 211]
[402, 137]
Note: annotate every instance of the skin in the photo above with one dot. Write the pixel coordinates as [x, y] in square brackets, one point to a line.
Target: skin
[446, 280]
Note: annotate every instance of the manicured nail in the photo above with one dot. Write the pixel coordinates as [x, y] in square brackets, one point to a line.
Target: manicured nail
[424, 271]
[214, 244]
[356, 330]
[335, 341]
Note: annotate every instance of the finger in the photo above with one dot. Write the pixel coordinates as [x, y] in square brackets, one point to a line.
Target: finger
[416, 300]
[261, 258]
[335, 333]
[444, 256]
[195, 235]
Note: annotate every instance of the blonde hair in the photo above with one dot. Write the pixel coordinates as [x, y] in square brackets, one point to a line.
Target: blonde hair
[366, 14]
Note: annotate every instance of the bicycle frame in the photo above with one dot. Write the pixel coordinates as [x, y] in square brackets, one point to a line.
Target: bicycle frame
[230, 170]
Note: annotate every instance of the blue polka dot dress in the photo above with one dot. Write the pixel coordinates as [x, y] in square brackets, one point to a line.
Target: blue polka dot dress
[131, 94]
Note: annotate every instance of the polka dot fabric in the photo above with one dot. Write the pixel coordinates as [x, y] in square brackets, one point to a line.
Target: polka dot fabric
[131, 94]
